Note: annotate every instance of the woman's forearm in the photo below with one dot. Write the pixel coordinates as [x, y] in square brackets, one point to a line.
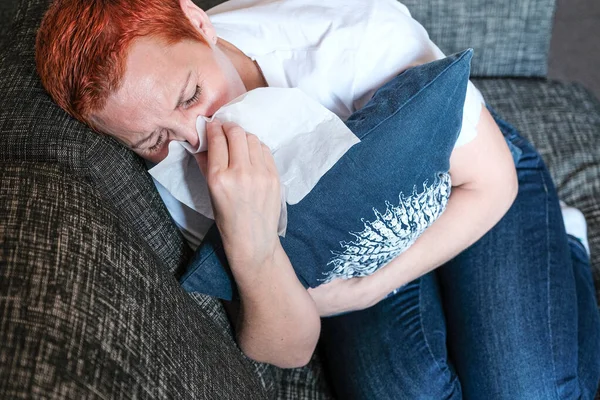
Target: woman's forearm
[278, 322]
[468, 216]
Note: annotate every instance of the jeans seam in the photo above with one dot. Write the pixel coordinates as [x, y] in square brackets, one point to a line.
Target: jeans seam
[425, 336]
[548, 285]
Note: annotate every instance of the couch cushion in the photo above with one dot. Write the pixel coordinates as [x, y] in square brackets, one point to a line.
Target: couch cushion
[88, 312]
[33, 128]
[563, 122]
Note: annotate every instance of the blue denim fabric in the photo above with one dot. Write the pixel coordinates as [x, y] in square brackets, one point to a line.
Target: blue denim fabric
[514, 316]
[380, 196]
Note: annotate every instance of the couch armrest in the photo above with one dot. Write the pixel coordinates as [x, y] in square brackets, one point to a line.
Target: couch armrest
[89, 312]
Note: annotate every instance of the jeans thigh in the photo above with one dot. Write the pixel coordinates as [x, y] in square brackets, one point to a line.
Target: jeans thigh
[510, 299]
[395, 349]
[588, 334]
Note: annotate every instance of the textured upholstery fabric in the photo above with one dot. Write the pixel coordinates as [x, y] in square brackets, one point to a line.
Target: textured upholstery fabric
[8, 9]
[265, 372]
[207, 4]
[510, 37]
[88, 313]
[34, 128]
[563, 122]
[308, 382]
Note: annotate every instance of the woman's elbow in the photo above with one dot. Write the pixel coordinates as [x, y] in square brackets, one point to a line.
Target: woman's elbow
[296, 361]
[288, 358]
[498, 187]
[284, 353]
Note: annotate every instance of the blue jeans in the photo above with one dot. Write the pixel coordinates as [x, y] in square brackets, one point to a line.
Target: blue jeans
[514, 316]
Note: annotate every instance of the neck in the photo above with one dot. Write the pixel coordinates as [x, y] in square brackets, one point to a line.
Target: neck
[248, 70]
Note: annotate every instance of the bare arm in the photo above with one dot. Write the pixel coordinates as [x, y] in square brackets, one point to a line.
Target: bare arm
[278, 322]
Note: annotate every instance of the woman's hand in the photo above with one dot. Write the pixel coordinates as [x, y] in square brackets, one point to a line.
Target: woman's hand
[344, 295]
[245, 192]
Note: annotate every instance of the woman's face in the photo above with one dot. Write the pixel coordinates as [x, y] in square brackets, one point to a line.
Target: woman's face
[164, 89]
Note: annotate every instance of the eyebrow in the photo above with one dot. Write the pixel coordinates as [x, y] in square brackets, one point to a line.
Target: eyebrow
[182, 94]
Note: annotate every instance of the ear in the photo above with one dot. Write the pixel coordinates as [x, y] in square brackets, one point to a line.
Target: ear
[200, 20]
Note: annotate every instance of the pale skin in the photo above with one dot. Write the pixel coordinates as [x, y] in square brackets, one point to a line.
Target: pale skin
[278, 321]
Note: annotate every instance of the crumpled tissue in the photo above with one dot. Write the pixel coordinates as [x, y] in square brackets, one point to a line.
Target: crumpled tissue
[305, 138]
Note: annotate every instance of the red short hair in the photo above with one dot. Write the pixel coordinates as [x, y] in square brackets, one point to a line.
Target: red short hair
[82, 45]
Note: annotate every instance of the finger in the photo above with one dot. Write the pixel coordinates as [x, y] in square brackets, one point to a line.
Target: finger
[255, 151]
[269, 160]
[202, 160]
[238, 145]
[217, 148]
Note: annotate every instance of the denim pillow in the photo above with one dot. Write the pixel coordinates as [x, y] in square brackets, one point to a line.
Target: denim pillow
[379, 197]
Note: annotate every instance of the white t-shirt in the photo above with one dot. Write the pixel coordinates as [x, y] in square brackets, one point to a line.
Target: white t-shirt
[339, 52]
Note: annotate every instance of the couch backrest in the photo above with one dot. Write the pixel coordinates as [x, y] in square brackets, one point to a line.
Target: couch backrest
[33, 128]
[510, 37]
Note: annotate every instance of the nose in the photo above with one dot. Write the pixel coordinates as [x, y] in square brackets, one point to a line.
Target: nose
[185, 130]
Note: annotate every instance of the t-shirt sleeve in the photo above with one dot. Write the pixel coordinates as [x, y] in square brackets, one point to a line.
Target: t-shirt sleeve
[392, 42]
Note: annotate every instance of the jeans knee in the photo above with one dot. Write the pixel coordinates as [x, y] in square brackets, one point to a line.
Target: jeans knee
[399, 383]
[530, 386]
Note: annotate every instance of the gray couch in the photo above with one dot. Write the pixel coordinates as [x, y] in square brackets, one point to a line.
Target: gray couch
[89, 304]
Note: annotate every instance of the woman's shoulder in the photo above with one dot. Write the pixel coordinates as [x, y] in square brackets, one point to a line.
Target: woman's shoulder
[287, 25]
[307, 12]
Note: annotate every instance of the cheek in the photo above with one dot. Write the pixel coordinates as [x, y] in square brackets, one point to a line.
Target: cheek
[217, 102]
[161, 154]
[155, 157]
[219, 96]
[235, 86]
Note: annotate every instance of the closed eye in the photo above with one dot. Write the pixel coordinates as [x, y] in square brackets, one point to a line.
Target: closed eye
[194, 99]
[156, 146]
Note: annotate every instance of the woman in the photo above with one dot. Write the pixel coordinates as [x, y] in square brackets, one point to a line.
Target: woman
[511, 311]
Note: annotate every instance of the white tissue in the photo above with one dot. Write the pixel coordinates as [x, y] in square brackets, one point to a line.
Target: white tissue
[305, 138]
